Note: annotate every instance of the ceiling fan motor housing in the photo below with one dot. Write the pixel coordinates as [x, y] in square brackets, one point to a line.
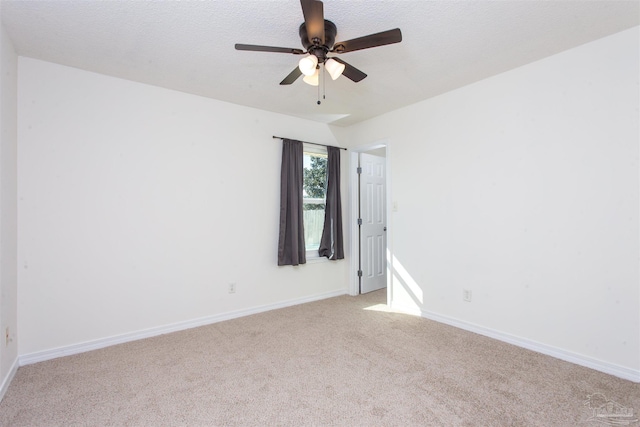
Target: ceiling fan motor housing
[316, 47]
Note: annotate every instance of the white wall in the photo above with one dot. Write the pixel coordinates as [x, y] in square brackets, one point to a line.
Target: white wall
[138, 205]
[524, 188]
[8, 210]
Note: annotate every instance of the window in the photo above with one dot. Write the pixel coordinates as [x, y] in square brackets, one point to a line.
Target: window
[314, 196]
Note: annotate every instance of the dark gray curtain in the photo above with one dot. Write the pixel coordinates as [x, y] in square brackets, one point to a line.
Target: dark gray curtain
[291, 249]
[331, 245]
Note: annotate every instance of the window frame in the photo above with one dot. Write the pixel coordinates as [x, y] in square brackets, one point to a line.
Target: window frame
[312, 254]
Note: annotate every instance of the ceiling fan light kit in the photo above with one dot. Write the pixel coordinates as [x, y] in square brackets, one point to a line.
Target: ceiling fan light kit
[318, 39]
[308, 65]
[334, 68]
[313, 79]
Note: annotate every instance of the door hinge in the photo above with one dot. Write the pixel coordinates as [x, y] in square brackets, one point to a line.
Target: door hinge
[359, 273]
[359, 221]
[359, 170]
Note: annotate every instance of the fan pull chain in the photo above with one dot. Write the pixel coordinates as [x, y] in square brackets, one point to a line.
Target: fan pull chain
[324, 84]
[319, 70]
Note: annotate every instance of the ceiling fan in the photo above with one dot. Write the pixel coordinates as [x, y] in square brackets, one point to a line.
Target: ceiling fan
[318, 38]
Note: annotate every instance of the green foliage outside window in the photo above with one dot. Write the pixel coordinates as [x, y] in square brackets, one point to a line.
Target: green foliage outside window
[315, 181]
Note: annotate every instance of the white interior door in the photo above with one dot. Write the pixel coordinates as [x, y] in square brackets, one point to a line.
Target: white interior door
[373, 239]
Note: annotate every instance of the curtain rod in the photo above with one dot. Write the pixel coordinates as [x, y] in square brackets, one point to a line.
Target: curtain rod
[312, 143]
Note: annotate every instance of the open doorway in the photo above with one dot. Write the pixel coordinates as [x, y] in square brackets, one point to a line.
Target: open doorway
[369, 212]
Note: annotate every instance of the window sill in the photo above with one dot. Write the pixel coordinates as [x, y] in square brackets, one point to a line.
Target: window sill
[315, 258]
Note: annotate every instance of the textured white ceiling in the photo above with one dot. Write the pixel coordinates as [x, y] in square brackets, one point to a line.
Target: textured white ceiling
[189, 45]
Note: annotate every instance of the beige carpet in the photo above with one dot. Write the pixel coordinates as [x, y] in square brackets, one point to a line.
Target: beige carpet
[331, 362]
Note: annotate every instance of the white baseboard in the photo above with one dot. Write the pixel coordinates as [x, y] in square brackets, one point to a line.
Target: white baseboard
[8, 378]
[558, 353]
[41, 356]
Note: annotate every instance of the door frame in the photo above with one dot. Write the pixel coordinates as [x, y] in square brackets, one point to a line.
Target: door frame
[354, 288]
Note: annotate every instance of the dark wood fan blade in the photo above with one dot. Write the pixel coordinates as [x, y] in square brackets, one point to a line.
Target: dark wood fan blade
[292, 77]
[256, 48]
[372, 40]
[313, 11]
[351, 72]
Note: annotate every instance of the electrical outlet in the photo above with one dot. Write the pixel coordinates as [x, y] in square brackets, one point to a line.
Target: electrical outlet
[466, 295]
[232, 288]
